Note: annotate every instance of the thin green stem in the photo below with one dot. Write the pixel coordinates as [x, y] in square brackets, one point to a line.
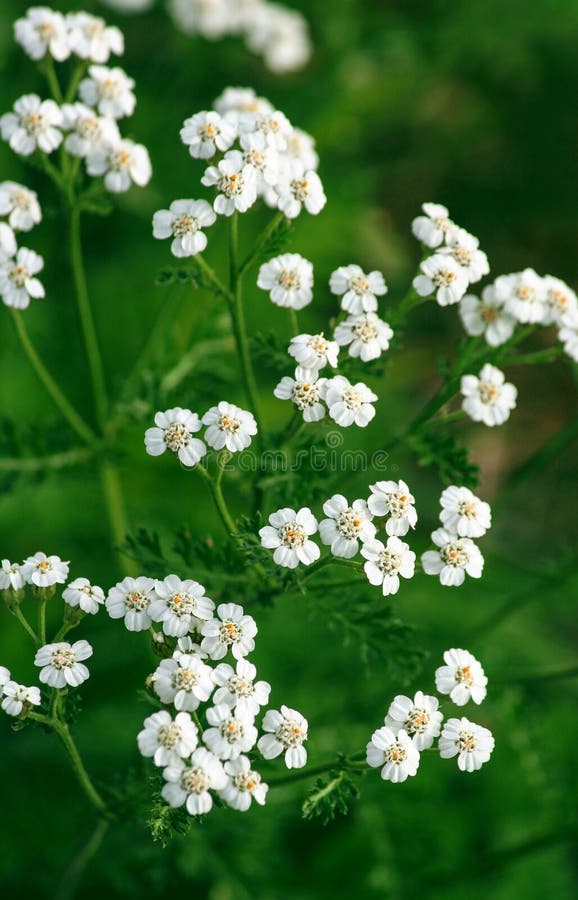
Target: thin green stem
[17, 612]
[77, 76]
[332, 561]
[212, 278]
[336, 765]
[294, 322]
[63, 733]
[42, 620]
[548, 355]
[47, 67]
[77, 867]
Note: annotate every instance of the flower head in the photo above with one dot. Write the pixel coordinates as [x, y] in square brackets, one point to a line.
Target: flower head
[305, 391]
[561, 300]
[110, 91]
[237, 688]
[61, 665]
[231, 629]
[207, 132]
[21, 206]
[393, 499]
[229, 426]
[43, 32]
[185, 681]
[287, 730]
[456, 557]
[92, 39]
[231, 732]
[244, 785]
[44, 571]
[488, 398]
[17, 696]
[173, 431]
[394, 752]
[471, 743]
[89, 132]
[130, 600]
[11, 576]
[523, 295]
[80, 592]
[463, 513]
[166, 739]
[442, 276]
[346, 526]
[18, 282]
[34, 125]
[300, 189]
[462, 677]
[435, 227]
[288, 535]
[420, 718]
[387, 562]
[366, 335]
[189, 781]
[464, 248]
[487, 316]
[349, 403]
[358, 291]
[568, 334]
[235, 182]
[289, 280]
[183, 222]
[181, 606]
[122, 163]
[314, 351]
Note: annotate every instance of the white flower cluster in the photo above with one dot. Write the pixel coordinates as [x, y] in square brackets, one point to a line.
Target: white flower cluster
[412, 725]
[89, 126]
[19, 266]
[227, 427]
[463, 516]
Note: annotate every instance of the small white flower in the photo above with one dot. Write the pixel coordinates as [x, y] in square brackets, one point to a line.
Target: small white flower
[167, 739]
[462, 677]
[349, 403]
[264, 160]
[366, 335]
[244, 785]
[231, 733]
[42, 31]
[420, 718]
[185, 681]
[465, 250]
[463, 513]
[561, 300]
[435, 227]
[300, 189]
[229, 426]
[8, 246]
[11, 576]
[301, 146]
[61, 665]
[235, 182]
[289, 280]
[270, 129]
[180, 605]
[17, 695]
[235, 100]
[207, 132]
[358, 291]
[230, 629]
[88, 131]
[441, 275]
[386, 562]
[82, 593]
[92, 39]
[305, 391]
[174, 429]
[130, 600]
[346, 526]
[456, 557]
[488, 398]
[21, 206]
[313, 351]
[33, 125]
[44, 571]
[394, 752]
[288, 534]
[487, 316]
[568, 334]
[287, 731]
[4, 678]
[393, 499]
[237, 688]
[108, 90]
[210, 18]
[523, 295]
[471, 743]
[18, 284]
[189, 782]
[281, 35]
[122, 163]
[183, 222]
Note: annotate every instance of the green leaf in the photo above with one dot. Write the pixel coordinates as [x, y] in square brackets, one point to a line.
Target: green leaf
[438, 448]
[330, 797]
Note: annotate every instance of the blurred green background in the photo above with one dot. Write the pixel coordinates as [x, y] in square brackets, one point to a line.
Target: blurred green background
[468, 104]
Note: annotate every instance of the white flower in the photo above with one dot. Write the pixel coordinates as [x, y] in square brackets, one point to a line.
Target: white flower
[17, 695]
[185, 680]
[167, 739]
[264, 160]
[183, 222]
[346, 526]
[393, 499]
[462, 677]
[42, 31]
[287, 732]
[366, 335]
[270, 129]
[305, 391]
[18, 284]
[420, 718]
[301, 188]
[465, 250]
[11, 576]
[487, 316]
[288, 534]
[281, 35]
[349, 403]
[207, 132]
[235, 182]
[471, 743]
[394, 752]
[88, 131]
[21, 206]
[435, 227]
[186, 645]
[109, 91]
[456, 557]
[61, 665]
[313, 351]
[210, 18]
[91, 38]
[8, 246]
[231, 733]
[44, 571]
[230, 629]
[463, 513]
[358, 291]
[130, 600]
[560, 300]
[238, 690]
[189, 782]
[301, 146]
[82, 593]
[229, 426]
[523, 295]
[386, 562]
[180, 605]
[244, 785]
[122, 163]
[174, 429]
[289, 280]
[488, 398]
[443, 276]
[568, 334]
[34, 124]
[236, 100]
[4, 678]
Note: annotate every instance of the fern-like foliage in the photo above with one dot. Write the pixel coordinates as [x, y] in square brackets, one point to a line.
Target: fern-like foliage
[438, 448]
[331, 797]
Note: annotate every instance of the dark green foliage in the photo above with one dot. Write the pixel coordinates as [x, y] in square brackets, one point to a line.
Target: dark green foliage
[439, 448]
[330, 797]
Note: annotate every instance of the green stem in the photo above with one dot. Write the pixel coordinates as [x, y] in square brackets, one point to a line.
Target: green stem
[47, 67]
[42, 621]
[77, 76]
[76, 869]
[550, 354]
[17, 612]
[293, 321]
[63, 733]
[218, 498]
[218, 287]
[332, 561]
[339, 765]
[114, 500]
